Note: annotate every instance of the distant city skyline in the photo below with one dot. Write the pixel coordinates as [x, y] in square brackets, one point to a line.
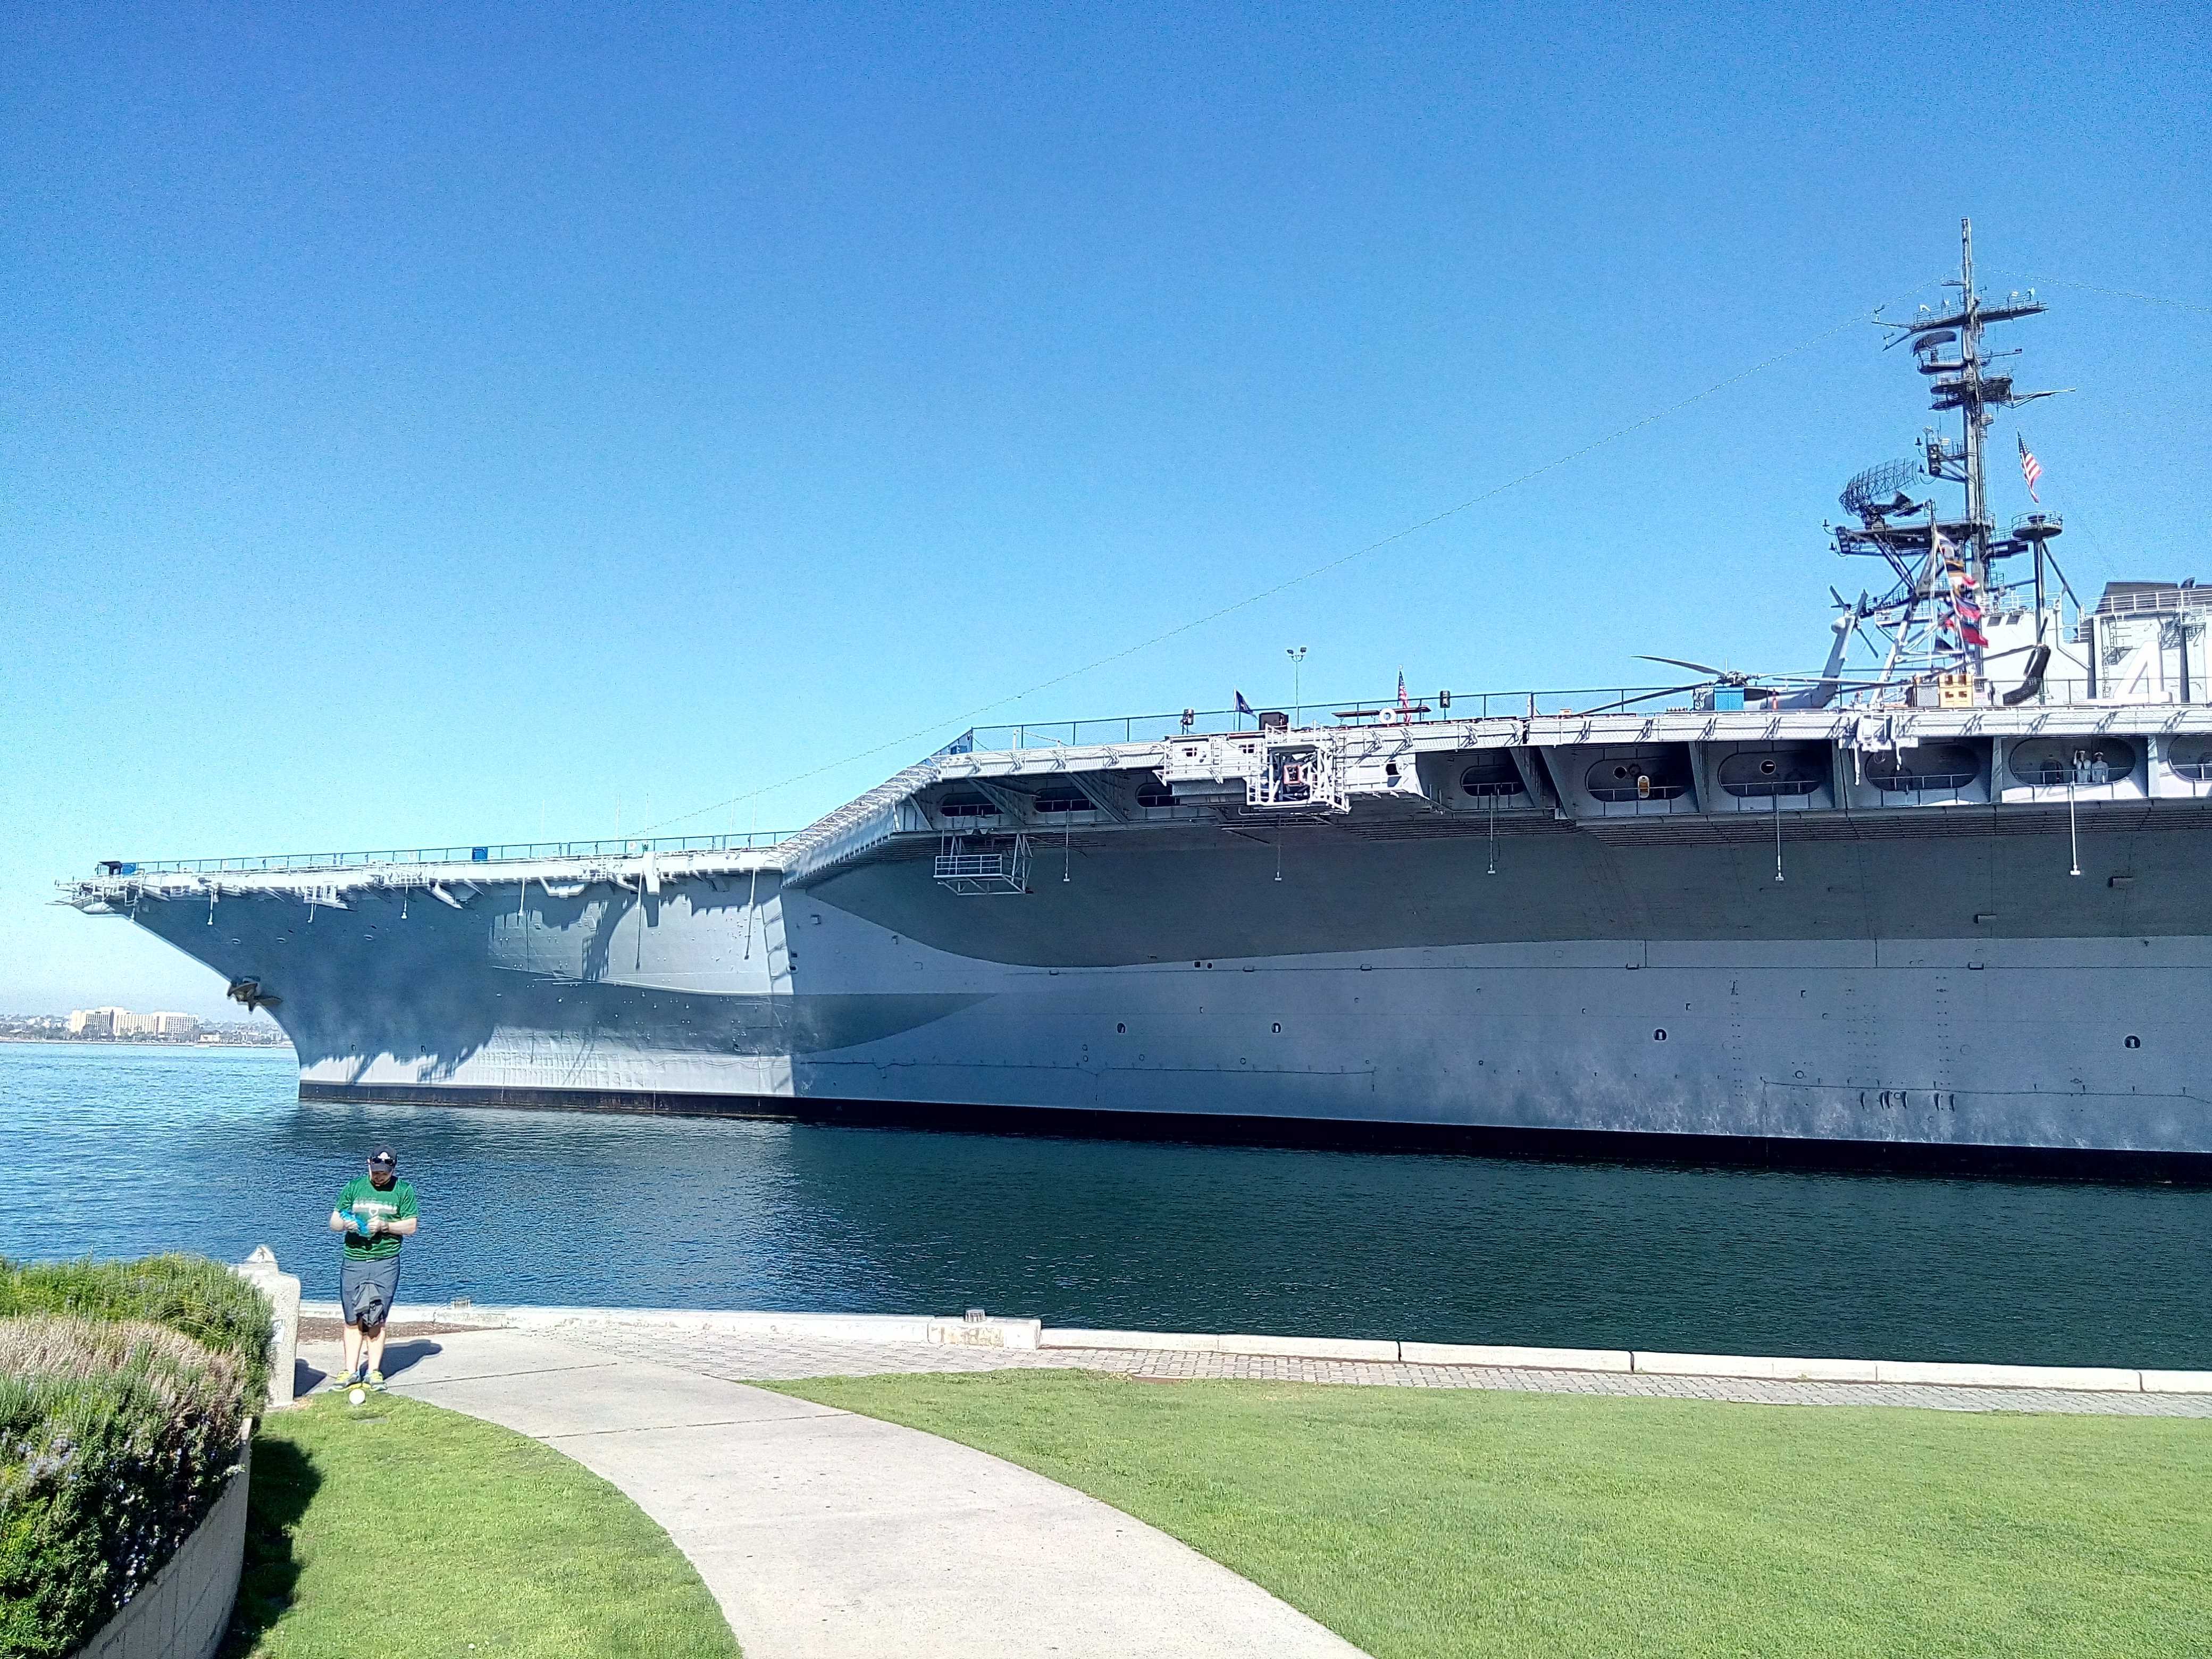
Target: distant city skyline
[467, 425]
[116, 1024]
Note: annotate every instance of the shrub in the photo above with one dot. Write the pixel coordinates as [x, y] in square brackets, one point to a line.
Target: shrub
[189, 1293]
[115, 1438]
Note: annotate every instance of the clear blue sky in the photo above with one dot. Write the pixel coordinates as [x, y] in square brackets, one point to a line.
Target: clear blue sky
[418, 426]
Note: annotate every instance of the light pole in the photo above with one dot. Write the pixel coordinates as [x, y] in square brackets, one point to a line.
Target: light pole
[1297, 654]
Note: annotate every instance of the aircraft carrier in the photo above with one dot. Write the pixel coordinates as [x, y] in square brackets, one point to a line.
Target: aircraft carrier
[1944, 898]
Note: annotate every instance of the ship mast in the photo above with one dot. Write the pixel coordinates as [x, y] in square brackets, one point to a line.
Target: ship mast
[1896, 524]
[1974, 416]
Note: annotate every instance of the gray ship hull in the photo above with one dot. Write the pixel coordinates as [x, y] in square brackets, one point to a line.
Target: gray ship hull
[1934, 980]
[1960, 911]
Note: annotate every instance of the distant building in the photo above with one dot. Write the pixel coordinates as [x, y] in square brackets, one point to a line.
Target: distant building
[122, 1023]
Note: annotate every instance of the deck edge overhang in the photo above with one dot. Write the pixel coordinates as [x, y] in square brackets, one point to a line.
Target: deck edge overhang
[862, 826]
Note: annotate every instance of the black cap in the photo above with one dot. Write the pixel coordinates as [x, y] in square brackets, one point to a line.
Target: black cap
[383, 1155]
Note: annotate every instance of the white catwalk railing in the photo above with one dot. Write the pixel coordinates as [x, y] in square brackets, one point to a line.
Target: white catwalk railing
[486, 852]
[1425, 708]
[841, 833]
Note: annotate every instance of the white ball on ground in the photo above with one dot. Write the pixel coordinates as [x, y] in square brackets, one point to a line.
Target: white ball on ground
[357, 1397]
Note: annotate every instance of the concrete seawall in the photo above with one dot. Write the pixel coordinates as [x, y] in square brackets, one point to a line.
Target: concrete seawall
[988, 1332]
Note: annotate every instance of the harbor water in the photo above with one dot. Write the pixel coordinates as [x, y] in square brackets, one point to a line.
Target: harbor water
[114, 1151]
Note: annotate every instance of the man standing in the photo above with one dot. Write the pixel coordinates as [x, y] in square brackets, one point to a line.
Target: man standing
[374, 1213]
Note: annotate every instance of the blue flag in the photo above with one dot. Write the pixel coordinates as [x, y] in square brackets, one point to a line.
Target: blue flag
[1242, 707]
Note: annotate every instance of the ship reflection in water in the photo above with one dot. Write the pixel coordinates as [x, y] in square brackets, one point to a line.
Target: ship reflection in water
[559, 1207]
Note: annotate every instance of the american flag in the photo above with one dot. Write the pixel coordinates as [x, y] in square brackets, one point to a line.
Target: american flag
[2030, 469]
[1404, 703]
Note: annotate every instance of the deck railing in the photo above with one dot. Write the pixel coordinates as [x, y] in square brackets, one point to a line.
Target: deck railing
[489, 853]
[1200, 722]
[1081, 733]
[2174, 599]
[1460, 705]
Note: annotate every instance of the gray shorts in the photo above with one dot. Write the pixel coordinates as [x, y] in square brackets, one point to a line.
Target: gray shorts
[366, 1290]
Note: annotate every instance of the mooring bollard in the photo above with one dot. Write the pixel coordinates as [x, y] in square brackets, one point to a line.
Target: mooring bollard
[283, 1289]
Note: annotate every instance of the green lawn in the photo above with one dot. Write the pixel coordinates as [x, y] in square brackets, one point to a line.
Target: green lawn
[1418, 1522]
[397, 1529]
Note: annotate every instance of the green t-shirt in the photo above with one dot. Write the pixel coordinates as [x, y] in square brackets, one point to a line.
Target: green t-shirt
[363, 1198]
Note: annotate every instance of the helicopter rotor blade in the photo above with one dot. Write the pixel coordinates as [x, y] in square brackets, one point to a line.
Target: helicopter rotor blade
[1677, 662]
[1630, 702]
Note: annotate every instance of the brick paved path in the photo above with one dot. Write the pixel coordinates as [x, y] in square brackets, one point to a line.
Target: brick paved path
[748, 1359]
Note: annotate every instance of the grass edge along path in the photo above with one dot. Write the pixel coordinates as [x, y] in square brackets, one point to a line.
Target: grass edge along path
[1418, 1522]
[400, 1527]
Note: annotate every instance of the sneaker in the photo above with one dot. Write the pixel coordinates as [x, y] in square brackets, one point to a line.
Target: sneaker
[376, 1381]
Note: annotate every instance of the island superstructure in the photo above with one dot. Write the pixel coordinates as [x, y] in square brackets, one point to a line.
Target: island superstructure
[1948, 903]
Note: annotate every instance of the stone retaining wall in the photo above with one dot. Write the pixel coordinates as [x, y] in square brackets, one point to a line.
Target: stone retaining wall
[183, 1612]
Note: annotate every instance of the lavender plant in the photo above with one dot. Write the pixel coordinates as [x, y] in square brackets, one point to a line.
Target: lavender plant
[115, 1438]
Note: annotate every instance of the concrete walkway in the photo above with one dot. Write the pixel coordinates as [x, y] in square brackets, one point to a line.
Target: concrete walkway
[750, 1357]
[822, 1533]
